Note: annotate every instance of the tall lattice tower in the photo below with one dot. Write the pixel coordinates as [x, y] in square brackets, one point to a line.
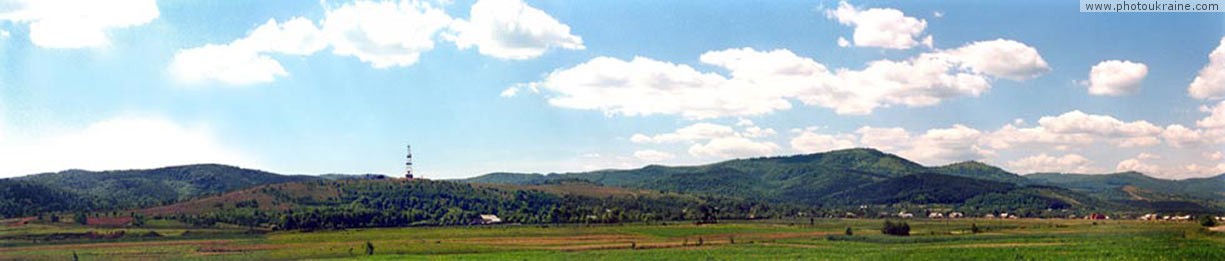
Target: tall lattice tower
[408, 164]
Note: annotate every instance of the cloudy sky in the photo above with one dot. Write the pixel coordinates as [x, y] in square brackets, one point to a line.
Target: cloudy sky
[555, 86]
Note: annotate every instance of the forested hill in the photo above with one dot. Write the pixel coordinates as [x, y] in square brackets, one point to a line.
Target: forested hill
[398, 202]
[858, 176]
[121, 189]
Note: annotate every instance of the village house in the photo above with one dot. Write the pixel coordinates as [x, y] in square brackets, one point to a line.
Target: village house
[487, 219]
[905, 214]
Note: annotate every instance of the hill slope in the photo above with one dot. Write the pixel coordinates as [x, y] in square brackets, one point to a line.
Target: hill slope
[139, 188]
[802, 179]
[398, 202]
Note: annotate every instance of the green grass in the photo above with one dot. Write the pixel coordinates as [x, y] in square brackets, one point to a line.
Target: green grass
[768, 240]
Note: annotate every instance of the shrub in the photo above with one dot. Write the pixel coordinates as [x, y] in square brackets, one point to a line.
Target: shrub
[899, 228]
[974, 228]
[849, 232]
[1207, 221]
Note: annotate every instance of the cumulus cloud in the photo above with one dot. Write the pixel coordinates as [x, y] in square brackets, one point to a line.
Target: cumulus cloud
[383, 34]
[1137, 165]
[119, 143]
[1135, 133]
[77, 23]
[695, 132]
[1216, 116]
[643, 86]
[761, 82]
[1180, 136]
[733, 147]
[887, 139]
[1045, 163]
[1210, 82]
[715, 140]
[809, 142]
[513, 30]
[653, 155]
[944, 145]
[1115, 78]
[247, 60]
[1001, 58]
[879, 27]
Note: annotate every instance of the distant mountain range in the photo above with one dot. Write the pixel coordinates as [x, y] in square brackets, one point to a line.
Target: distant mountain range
[830, 180]
[868, 176]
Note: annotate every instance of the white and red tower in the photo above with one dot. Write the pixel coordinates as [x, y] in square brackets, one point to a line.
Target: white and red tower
[408, 164]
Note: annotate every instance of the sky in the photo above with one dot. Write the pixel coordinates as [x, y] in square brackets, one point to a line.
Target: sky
[301, 87]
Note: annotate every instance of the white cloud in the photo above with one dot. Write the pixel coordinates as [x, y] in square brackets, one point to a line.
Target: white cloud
[246, 60]
[879, 27]
[225, 64]
[1077, 122]
[1215, 155]
[842, 42]
[733, 147]
[761, 82]
[1179, 136]
[1076, 128]
[513, 30]
[1216, 116]
[716, 141]
[1137, 165]
[1210, 82]
[643, 86]
[1045, 163]
[384, 34]
[940, 146]
[810, 142]
[77, 23]
[653, 155]
[119, 143]
[509, 92]
[886, 139]
[1158, 166]
[1115, 78]
[1001, 58]
[696, 132]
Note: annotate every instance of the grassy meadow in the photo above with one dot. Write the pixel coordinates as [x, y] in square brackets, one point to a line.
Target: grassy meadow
[822, 239]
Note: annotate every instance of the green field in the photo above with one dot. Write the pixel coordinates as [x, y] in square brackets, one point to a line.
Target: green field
[756, 240]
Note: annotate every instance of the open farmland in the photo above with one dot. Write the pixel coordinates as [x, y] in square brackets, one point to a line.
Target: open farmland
[772, 239]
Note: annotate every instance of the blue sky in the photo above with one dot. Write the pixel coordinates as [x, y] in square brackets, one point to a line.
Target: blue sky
[556, 86]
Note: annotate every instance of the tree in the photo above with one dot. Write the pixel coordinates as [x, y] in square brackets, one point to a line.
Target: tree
[1207, 221]
[849, 232]
[369, 248]
[81, 218]
[899, 228]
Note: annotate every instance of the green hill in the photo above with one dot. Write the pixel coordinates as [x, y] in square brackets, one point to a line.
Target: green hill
[868, 176]
[335, 204]
[23, 198]
[979, 170]
[140, 188]
[1138, 190]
